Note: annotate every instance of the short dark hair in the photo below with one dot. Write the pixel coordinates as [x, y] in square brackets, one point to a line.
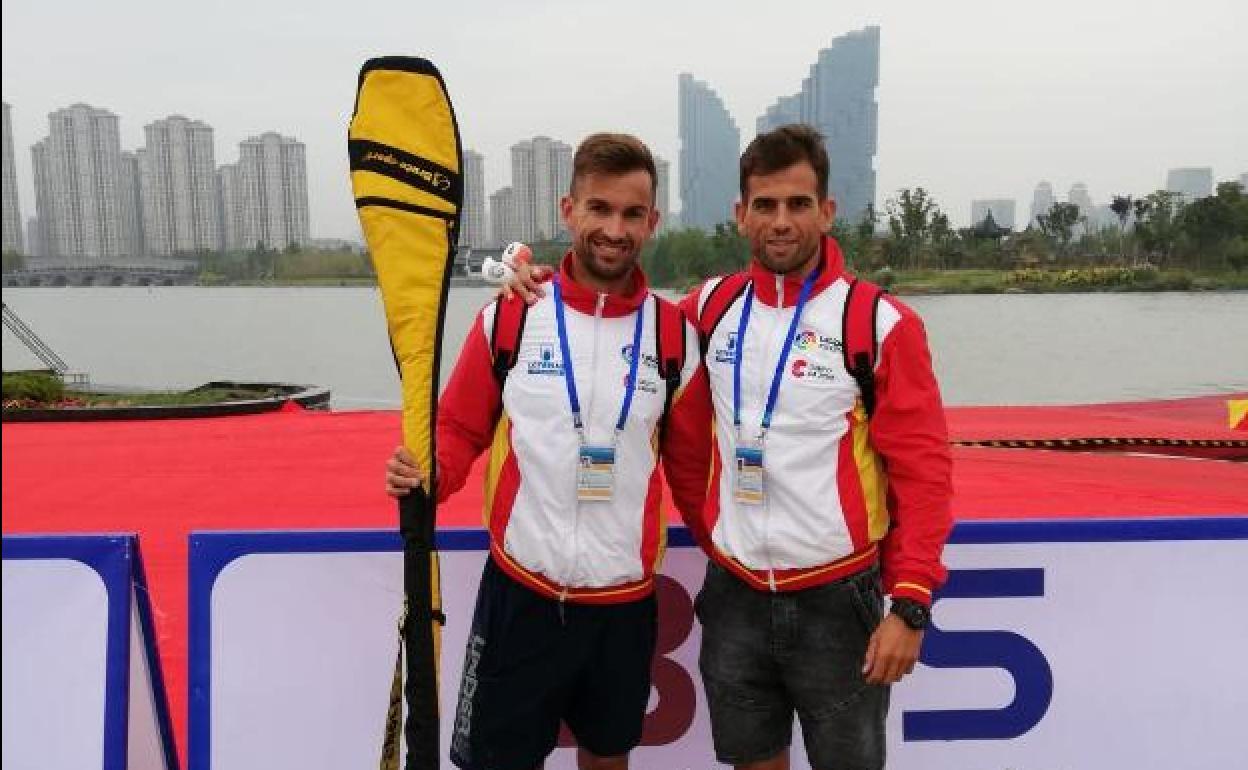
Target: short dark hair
[605, 153]
[785, 146]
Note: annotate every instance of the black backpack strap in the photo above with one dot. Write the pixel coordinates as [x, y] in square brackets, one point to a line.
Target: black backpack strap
[670, 348]
[509, 317]
[861, 348]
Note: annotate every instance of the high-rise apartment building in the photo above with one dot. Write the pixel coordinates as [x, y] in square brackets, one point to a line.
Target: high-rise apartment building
[1079, 196]
[233, 211]
[1002, 210]
[662, 192]
[179, 176]
[273, 176]
[541, 174]
[503, 220]
[473, 233]
[1243, 181]
[1041, 201]
[42, 172]
[33, 247]
[12, 224]
[130, 187]
[710, 148]
[838, 99]
[1192, 183]
[77, 186]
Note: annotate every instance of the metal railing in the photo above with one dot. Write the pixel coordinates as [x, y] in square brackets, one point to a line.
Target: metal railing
[47, 355]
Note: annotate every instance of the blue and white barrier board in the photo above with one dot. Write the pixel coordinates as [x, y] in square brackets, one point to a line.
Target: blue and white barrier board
[1072, 644]
[81, 680]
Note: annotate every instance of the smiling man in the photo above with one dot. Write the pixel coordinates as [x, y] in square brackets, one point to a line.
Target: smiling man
[572, 396]
[828, 473]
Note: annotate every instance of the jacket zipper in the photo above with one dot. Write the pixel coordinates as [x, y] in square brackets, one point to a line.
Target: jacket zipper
[589, 413]
[771, 337]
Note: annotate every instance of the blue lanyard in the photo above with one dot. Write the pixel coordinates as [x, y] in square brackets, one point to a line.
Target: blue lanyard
[774, 393]
[569, 377]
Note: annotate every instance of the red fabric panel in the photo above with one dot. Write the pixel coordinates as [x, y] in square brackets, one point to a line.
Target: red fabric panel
[319, 470]
[1186, 418]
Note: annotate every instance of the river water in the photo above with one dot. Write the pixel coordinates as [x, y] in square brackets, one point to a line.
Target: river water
[988, 349]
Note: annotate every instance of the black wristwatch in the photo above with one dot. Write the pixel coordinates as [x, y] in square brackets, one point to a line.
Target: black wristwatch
[915, 615]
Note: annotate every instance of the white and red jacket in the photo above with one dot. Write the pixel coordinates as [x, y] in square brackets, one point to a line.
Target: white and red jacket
[589, 552]
[841, 492]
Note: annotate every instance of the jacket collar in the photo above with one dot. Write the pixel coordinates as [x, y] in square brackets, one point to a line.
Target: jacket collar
[583, 299]
[832, 267]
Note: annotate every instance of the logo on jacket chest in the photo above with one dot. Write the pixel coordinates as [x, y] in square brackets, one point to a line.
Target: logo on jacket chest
[808, 340]
[726, 353]
[803, 369]
[547, 362]
[644, 384]
[647, 359]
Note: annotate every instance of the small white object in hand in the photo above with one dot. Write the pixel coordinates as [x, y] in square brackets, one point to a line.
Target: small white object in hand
[496, 272]
[502, 271]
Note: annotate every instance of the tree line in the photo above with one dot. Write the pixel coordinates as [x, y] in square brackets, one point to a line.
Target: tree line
[263, 264]
[1157, 230]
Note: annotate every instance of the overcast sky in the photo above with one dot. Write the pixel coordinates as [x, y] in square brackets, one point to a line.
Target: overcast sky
[977, 99]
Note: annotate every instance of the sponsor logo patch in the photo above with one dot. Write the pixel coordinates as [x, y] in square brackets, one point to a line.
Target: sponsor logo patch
[647, 359]
[728, 353]
[548, 361]
[807, 340]
[801, 369]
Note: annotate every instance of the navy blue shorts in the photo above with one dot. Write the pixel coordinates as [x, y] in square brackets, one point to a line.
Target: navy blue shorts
[531, 664]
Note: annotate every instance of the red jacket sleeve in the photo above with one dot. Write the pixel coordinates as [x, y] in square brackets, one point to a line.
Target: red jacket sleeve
[468, 411]
[908, 430]
[687, 439]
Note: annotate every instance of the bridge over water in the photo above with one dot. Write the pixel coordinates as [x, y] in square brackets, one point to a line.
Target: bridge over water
[100, 275]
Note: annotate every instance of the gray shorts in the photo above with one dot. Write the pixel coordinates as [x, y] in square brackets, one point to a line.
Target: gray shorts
[766, 656]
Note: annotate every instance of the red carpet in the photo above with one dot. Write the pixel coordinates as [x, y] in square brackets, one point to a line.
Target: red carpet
[312, 470]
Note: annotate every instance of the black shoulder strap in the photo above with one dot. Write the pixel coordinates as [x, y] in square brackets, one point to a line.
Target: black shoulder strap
[861, 349]
[670, 348]
[509, 317]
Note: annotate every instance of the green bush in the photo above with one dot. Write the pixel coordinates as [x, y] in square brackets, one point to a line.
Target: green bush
[39, 387]
[885, 278]
[1237, 254]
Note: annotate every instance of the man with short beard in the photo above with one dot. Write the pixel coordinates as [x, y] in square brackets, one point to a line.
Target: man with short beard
[826, 506]
[816, 507]
[565, 622]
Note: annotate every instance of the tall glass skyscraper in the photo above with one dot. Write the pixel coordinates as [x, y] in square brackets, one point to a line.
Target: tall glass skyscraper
[710, 148]
[838, 99]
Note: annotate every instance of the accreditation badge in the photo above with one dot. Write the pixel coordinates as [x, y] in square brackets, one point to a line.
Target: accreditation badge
[749, 487]
[595, 473]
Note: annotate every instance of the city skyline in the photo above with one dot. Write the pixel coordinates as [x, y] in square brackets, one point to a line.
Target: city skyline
[148, 231]
[95, 202]
[1115, 100]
